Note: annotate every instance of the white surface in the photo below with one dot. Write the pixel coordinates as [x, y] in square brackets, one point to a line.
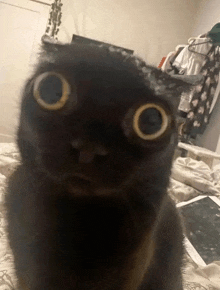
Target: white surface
[215, 199]
[17, 37]
[193, 253]
[151, 28]
[196, 174]
[191, 200]
[199, 151]
[24, 23]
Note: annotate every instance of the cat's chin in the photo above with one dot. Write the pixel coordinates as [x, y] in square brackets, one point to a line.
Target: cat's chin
[79, 190]
[80, 185]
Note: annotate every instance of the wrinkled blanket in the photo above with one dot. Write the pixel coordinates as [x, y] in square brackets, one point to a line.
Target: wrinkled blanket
[191, 178]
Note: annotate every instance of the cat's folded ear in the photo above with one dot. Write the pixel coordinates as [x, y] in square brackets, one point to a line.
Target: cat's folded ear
[175, 84]
[186, 83]
[49, 47]
[183, 85]
[49, 43]
[172, 86]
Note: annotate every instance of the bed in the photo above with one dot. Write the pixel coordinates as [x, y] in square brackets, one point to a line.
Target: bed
[190, 178]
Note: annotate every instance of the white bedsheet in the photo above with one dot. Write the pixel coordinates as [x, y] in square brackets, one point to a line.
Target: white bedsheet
[190, 178]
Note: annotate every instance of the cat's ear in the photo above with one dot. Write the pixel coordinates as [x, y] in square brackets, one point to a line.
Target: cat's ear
[183, 83]
[50, 44]
[161, 82]
[169, 86]
[49, 48]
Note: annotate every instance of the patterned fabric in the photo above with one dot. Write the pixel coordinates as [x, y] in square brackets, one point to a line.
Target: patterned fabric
[199, 113]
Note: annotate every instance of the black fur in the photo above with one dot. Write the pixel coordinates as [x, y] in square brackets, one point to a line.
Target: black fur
[70, 233]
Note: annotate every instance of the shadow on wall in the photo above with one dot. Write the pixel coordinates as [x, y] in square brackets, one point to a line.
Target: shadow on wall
[210, 137]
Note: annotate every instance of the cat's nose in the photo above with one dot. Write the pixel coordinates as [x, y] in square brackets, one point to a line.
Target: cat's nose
[88, 151]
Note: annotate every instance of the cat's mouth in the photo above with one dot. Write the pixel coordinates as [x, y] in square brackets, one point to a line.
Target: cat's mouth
[83, 185]
[83, 179]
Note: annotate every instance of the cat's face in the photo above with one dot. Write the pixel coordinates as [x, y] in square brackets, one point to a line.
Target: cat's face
[96, 117]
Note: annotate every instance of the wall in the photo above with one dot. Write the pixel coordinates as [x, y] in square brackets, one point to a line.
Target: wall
[151, 28]
[207, 16]
[24, 23]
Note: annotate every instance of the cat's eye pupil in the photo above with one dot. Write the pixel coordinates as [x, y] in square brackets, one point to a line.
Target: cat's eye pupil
[51, 89]
[150, 121]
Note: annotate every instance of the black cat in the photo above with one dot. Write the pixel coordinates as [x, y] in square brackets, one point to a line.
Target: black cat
[88, 206]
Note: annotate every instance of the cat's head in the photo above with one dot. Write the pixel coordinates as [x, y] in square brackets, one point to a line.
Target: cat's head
[98, 116]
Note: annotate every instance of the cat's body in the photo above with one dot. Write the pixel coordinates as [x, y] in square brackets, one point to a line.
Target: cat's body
[88, 207]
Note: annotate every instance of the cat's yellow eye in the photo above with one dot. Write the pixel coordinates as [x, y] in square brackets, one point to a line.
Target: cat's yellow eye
[51, 91]
[150, 121]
